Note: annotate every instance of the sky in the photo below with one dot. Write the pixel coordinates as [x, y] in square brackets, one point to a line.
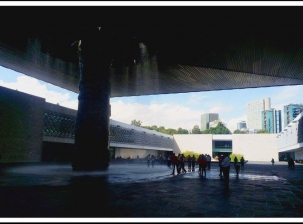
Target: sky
[169, 110]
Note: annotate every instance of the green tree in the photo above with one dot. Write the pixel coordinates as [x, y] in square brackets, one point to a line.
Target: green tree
[239, 132]
[191, 153]
[220, 129]
[136, 123]
[233, 155]
[169, 131]
[182, 131]
[154, 127]
[161, 129]
[262, 131]
[196, 130]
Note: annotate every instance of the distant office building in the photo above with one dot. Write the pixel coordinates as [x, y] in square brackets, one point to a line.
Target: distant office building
[241, 125]
[254, 113]
[206, 118]
[271, 120]
[291, 111]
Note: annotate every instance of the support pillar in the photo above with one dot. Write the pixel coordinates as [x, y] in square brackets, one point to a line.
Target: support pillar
[92, 123]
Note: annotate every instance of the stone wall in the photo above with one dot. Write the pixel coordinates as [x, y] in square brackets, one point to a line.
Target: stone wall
[21, 132]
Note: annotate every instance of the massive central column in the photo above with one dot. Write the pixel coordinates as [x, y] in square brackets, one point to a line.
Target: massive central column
[92, 123]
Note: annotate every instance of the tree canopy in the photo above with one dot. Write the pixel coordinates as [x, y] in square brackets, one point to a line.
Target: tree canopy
[169, 131]
[239, 132]
[220, 129]
[136, 123]
[196, 130]
[262, 131]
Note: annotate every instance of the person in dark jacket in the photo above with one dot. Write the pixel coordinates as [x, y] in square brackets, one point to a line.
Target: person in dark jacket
[174, 161]
[242, 161]
[220, 161]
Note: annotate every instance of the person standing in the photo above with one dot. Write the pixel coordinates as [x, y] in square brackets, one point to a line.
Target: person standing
[193, 163]
[220, 165]
[242, 161]
[153, 160]
[272, 161]
[237, 165]
[179, 163]
[202, 161]
[182, 163]
[174, 161]
[169, 160]
[199, 161]
[148, 159]
[225, 167]
[189, 163]
[291, 163]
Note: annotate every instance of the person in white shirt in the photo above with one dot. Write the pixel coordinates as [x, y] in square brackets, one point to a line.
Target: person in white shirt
[226, 166]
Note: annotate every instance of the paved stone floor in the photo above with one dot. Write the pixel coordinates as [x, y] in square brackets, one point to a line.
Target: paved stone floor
[137, 191]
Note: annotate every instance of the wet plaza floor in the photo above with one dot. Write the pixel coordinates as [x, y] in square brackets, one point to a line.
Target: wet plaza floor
[138, 191]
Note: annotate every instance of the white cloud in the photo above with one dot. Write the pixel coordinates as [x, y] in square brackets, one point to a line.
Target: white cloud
[33, 87]
[73, 104]
[287, 95]
[196, 99]
[166, 114]
[219, 109]
[289, 92]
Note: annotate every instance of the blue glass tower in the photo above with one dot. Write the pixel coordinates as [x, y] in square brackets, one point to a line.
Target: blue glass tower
[271, 120]
[291, 111]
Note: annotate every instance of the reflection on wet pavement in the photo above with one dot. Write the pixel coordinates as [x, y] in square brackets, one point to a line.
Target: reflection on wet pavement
[58, 175]
[135, 190]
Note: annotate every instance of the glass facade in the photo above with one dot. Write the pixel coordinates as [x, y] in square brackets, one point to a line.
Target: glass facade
[291, 111]
[222, 147]
[271, 120]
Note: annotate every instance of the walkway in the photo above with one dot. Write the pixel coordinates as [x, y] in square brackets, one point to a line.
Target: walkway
[135, 190]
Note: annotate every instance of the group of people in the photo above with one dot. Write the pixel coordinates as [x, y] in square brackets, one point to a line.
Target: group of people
[151, 158]
[203, 161]
[224, 164]
[290, 162]
[178, 163]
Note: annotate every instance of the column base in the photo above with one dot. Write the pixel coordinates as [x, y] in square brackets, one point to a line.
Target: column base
[90, 160]
[91, 167]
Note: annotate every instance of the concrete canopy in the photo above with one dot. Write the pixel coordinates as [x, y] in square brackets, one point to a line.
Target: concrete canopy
[159, 49]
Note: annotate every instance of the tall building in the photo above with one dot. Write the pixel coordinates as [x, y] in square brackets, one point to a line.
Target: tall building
[291, 111]
[254, 113]
[206, 118]
[241, 124]
[271, 120]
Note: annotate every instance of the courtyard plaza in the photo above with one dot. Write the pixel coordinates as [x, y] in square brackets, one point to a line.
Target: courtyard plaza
[134, 190]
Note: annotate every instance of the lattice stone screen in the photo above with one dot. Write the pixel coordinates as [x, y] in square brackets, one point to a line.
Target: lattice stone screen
[63, 126]
[130, 136]
[59, 125]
